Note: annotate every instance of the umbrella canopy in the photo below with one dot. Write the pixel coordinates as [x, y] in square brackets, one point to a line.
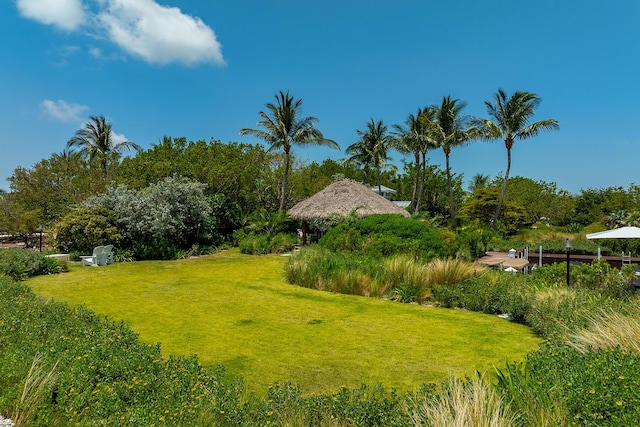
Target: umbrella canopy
[342, 197]
[617, 233]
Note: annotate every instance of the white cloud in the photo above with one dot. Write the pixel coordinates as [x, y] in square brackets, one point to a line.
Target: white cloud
[65, 14]
[117, 138]
[62, 111]
[159, 34]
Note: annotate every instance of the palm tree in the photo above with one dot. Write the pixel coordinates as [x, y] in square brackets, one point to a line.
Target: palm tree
[509, 121]
[360, 156]
[373, 145]
[283, 128]
[95, 139]
[415, 137]
[450, 131]
[478, 181]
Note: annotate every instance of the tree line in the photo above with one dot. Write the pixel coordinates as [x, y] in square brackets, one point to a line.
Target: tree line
[247, 177]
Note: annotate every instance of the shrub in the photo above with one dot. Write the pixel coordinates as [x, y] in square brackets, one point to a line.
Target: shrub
[84, 229]
[385, 235]
[492, 292]
[20, 264]
[160, 248]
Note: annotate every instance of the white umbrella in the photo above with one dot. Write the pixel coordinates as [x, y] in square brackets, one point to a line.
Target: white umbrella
[617, 233]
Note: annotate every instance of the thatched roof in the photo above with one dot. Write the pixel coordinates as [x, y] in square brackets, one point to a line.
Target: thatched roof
[342, 197]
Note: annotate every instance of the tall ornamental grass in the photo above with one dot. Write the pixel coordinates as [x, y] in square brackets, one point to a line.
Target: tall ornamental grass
[463, 403]
[451, 271]
[608, 330]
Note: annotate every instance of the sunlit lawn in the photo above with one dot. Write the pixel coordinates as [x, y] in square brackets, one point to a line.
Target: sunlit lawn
[235, 310]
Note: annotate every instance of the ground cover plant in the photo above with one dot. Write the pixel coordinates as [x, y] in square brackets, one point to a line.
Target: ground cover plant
[235, 310]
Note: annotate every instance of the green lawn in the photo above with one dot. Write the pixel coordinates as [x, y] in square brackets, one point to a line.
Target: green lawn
[235, 310]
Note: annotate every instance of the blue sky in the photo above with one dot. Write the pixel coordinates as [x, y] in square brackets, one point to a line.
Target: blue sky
[203, 69]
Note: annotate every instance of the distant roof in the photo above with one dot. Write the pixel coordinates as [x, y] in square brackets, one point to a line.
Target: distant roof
[341, 198]
[384, 189]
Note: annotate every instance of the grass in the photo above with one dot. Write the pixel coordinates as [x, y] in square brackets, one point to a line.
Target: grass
[235, 310]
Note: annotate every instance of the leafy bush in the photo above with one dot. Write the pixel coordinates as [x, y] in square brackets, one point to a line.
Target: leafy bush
[20, 264]
[258, 244]
[492, 292]
[159, 222]
[160, 248]
[385, 235]
[598, 276]
[82, 230]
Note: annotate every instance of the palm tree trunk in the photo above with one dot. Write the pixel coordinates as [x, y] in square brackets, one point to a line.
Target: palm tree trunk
[504, 187]
[103, 164]
[416, 180]
[452, 212]
[287, 161]
[378, 170]
[423, 174]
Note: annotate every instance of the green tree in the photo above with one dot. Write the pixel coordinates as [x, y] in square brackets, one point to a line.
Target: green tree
[478, 181]
[283, 128]
[416, 137]
[95, 139]
[372, 147]
[450, 130]
[509, 121]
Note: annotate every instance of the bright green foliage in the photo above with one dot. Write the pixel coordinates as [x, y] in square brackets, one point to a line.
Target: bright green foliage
[104, 375]
[20, 264]
[597, 388]
[83, 229]
[482, 205]
[384, 235]
[243, 173]
[491, 292]
[473, 243]
[541, 199]
[258, 244]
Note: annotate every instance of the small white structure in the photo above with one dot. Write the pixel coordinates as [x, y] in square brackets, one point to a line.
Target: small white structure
[385, 192]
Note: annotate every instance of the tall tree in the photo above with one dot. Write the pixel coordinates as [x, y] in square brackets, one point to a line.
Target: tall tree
[416, 137]
[450, 130]
[95, 139]
[283, 128]
[374, 143]
[509, 121]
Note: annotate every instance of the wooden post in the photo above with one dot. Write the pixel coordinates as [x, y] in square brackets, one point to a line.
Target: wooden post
[304, 232]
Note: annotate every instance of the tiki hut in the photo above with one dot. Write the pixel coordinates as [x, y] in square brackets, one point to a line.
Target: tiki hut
[341, 198]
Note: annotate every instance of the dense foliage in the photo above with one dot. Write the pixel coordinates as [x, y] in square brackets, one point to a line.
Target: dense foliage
[20, 264]
[385, 235]
[153, 223]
